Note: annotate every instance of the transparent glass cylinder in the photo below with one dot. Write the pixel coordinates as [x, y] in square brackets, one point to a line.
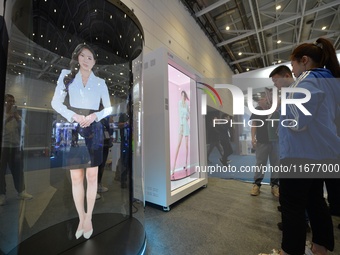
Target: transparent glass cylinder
[37, 187]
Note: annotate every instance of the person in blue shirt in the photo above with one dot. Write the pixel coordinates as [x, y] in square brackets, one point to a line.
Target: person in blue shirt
[312, 140]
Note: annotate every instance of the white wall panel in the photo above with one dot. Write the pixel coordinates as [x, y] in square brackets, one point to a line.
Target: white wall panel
[167, 23]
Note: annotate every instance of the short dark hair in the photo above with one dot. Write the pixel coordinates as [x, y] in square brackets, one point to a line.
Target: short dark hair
[281, 70]
[7, 96]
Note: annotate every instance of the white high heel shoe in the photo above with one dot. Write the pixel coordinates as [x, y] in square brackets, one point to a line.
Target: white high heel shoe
[79, 233]
[88, 234]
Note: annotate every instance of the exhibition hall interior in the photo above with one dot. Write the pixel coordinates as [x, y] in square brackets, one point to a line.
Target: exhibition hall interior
[128, 125]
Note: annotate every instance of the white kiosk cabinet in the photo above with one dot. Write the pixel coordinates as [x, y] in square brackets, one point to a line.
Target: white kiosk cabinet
[174, 129]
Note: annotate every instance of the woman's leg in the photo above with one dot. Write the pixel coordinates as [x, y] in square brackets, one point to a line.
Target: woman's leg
[91, 192]
[320, 219]
[294, 194]
[293, 200]
[186, 151]
[177, 150]
[101, 167]
[77, 177]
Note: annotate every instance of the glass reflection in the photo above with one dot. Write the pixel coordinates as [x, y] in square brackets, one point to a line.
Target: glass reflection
[12, 150]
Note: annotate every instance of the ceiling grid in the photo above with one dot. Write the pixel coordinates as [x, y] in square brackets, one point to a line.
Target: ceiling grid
[254, 34]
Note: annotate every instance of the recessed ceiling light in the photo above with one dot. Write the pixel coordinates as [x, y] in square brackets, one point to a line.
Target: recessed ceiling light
[279, 41]
[240, 53]
[227, 28]
[324, 27]
[278, 7]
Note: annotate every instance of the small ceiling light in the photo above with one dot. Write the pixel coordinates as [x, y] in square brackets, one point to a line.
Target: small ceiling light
[279, 61]
[240, 53]
[278, 7]
[227, 28]
[247, 69]
[279, 41]
[324, 27]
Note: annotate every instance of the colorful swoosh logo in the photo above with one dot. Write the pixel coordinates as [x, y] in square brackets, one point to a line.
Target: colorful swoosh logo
[209, 90]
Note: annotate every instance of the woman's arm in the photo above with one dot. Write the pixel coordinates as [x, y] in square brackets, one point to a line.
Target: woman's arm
[59, 96]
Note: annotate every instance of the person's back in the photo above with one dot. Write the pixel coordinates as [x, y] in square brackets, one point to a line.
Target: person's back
[312, 141]
[316, 137]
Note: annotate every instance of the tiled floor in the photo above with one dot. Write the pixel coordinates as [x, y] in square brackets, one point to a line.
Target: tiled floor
[220, 219]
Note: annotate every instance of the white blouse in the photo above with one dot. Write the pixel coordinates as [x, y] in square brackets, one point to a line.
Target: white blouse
[87, 97]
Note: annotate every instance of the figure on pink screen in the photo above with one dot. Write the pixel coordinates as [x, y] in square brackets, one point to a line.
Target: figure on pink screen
[184, 113]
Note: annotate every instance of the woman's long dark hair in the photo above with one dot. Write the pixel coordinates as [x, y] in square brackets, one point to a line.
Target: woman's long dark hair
[74, 64]
[322, 52]
[185, 95]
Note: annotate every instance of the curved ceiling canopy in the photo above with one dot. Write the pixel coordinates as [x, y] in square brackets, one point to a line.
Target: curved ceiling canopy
[59, 26]
[45, 33]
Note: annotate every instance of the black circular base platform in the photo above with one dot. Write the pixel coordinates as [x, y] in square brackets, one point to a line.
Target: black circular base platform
[113, 234]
